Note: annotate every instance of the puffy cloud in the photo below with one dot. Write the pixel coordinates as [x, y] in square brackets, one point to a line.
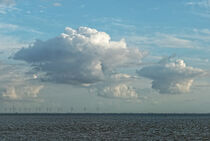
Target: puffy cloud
[122, 91]
[171, 77]
[81, 56]
[16, 85]
[118, 86]
[20, 92]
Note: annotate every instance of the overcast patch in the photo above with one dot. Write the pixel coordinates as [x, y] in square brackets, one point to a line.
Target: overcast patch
[171, 77]
[81, 56]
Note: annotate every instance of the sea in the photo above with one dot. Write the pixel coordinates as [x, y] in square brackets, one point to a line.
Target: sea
[104, 127]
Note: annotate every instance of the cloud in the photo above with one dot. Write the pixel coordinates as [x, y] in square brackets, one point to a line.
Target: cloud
[120, 86]
[171, 77]
[16, 85]
[8, 26]
[7, 3]
[120, 76]
[204, 31]
[9, 45]
[56, 4]
[81, 56]
[120, 91]
[20, 92]
[173, 42]
[200, 8]
[201, 3]
[164, 40]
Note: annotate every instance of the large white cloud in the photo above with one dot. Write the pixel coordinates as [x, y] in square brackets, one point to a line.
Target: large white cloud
[171, 77]
[79, 56]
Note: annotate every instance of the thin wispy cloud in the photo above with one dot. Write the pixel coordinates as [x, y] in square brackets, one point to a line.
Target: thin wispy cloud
[8, 43]
[163, 41]
[6, 5]
[200, 8]
[8, 26]
[200, 3]
[56, 4]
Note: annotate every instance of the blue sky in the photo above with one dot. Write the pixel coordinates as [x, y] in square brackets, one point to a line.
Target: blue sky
[115, 55]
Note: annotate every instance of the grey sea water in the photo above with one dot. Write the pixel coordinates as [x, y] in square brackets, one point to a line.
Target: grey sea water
[96, 127]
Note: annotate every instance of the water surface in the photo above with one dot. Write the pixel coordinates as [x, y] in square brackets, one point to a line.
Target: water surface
[104, 127]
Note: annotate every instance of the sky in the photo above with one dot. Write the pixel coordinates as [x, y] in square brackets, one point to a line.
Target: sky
[108, 56]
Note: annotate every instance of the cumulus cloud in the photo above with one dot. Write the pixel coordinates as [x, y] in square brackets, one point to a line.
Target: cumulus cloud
[82, 56]
[171, 77]
[118, 86]
[16, 85]
[122, 91]
[20, 92]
